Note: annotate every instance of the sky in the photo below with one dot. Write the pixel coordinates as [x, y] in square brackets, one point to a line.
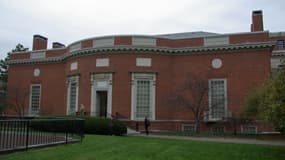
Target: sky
[67, 21]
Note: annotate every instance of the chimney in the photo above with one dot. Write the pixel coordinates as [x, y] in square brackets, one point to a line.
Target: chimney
[57, 45]
[257, 21]
[39, 42]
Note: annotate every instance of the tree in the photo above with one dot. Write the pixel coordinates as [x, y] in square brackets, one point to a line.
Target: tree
[4, 74]
[17, 99]
[268, 101]
[192, 94]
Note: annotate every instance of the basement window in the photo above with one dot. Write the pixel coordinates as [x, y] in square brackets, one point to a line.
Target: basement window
[249, 129]
[218, 130]
[189, 128]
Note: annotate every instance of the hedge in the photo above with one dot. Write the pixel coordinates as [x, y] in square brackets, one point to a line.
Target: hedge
[96, 125]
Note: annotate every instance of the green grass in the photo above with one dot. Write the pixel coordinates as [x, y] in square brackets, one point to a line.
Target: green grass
[95, 147]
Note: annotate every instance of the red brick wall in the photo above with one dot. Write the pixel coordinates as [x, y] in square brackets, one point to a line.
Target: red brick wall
[193, 42]
[55, 52]
[240, 68]
[127, 40]
[52, 80]
[87, 44]
[244, 38]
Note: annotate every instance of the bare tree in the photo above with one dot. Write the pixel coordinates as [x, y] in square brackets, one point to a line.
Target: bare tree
[17, 100]
[192, 94]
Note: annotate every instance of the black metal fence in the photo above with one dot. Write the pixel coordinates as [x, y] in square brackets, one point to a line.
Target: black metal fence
[25, 134]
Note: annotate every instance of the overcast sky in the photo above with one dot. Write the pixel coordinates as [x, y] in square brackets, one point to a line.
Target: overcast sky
[67, 21]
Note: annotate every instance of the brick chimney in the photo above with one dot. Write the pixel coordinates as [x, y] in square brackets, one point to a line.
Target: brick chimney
[257, 21]
[39, 42]
[57, 45]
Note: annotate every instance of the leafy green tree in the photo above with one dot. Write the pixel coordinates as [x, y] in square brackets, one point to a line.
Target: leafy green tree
[268, 102]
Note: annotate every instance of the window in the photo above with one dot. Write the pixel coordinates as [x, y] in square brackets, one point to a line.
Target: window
[143, 95]
[72, 95]
[35, 98]
[189, 128]
[249, 129]
[218, 130]
[280, 44]
[217, 98]
[143, 98]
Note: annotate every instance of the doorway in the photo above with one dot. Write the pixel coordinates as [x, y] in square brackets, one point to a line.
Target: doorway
[101, 105]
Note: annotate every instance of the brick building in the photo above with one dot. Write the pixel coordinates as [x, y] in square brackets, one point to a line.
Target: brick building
[130, 76]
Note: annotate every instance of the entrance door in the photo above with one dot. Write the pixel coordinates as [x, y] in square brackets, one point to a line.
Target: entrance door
[101, 105]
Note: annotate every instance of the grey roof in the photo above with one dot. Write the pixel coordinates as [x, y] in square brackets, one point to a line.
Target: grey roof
[187, 35]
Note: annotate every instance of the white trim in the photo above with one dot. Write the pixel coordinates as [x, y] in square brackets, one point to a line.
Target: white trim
[143, 62]
[103, 42]
[106, 78]
[74, 66]
[102, 62]
[75, 47]
[216, 40]
[276, 34]
[38, 55]
[30, 101]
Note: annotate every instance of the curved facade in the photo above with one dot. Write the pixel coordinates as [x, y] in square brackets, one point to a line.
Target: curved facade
[129, 77]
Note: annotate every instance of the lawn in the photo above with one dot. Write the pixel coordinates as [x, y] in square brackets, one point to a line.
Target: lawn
[96, 147]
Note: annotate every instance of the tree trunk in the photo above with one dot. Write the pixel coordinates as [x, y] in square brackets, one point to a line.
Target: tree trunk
[197, 126]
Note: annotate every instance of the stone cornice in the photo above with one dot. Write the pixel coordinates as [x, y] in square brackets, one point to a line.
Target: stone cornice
[148, 49]
[278, 53]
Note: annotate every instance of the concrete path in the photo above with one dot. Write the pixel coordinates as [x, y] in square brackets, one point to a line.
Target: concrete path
[222, 140]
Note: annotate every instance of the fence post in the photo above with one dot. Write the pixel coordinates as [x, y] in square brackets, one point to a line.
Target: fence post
[27, 134]
[66, 131]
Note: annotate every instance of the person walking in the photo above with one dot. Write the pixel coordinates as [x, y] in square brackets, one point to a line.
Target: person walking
[146, 125]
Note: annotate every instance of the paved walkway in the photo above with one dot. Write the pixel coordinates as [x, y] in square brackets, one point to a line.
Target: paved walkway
[223, 140]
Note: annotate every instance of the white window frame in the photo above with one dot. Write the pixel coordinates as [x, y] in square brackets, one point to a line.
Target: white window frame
[242, 129]
[96, 80]
[31, 98]
[151, 77]
[73, 79]
[210, 97]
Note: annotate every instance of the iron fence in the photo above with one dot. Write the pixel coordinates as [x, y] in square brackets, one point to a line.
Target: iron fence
[28, 133]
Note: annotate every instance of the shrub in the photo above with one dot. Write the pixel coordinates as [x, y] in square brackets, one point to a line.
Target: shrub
[119, 128]
[104, 126]
[96, 125]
